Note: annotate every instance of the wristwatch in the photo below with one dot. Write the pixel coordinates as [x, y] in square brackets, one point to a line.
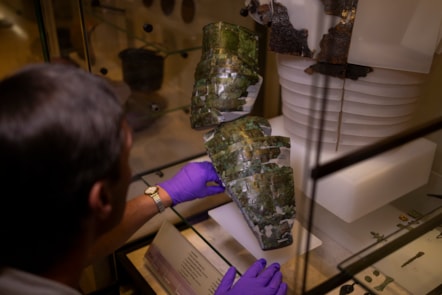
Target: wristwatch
[152, 192]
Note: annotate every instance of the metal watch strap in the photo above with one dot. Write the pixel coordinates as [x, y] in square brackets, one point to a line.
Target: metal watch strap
[152, 192]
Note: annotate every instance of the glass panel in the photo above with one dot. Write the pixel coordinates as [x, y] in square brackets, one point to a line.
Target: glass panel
[153, 47]
[19, 36]
[149, 51]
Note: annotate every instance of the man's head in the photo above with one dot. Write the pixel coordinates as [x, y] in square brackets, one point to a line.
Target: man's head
[64, 149]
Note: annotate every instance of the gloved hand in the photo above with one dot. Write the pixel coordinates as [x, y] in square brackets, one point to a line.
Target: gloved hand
[191, 182]
[256, 281]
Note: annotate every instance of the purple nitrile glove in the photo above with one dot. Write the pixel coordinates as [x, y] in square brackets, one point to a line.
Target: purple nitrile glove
[257, 280]
[192, 182]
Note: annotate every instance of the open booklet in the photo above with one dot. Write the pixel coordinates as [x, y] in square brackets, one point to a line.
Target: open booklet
[179, 266]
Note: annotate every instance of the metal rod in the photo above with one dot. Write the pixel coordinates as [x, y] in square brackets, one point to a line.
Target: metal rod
[42, 30]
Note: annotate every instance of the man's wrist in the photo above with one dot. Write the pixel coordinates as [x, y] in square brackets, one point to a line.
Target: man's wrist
[164, 196]
[152, 193]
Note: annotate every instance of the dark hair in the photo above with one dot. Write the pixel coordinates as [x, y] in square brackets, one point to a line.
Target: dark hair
[60, 131]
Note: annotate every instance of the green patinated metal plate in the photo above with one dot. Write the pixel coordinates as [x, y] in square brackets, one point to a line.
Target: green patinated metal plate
[231, 38]
[255, 168]
[227, 82]
[261, 151]
[267, 203]
[227, 133]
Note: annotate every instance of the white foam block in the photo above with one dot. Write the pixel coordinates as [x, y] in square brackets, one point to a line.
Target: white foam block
[359, 189]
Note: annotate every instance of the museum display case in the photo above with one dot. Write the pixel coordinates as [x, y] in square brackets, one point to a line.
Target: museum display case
[372, 255]
[368, 218]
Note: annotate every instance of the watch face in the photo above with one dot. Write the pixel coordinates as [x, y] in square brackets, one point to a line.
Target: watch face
[151, 190]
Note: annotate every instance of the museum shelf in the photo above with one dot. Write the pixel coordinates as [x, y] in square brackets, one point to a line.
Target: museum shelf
[410, 257]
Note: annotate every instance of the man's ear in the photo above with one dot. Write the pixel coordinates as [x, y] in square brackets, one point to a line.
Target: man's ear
[100, 200]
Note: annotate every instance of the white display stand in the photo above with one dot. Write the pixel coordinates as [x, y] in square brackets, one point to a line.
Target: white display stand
[357, 190]
[231, 219]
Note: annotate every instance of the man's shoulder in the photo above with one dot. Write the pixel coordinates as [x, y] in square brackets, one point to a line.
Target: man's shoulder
[17, 282]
